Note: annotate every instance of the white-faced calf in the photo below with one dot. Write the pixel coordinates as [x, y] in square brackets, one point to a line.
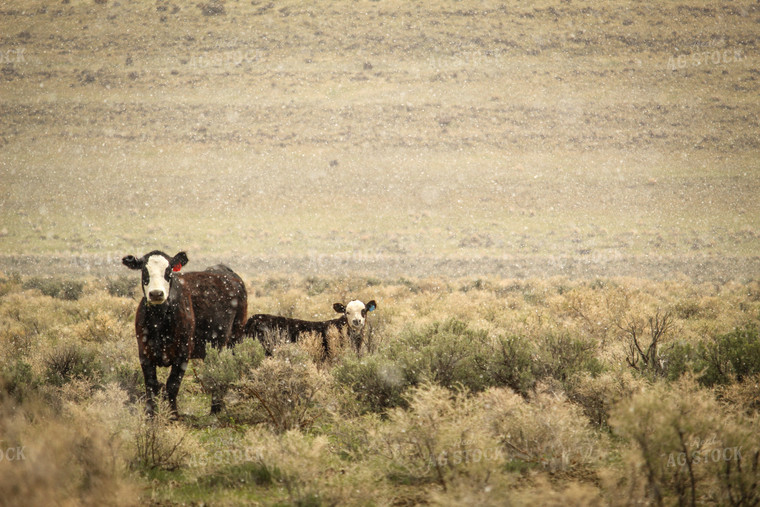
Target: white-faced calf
[353, 320]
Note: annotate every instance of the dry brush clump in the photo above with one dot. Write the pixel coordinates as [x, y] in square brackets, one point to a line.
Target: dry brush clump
[437, 438]
[598, 395]
[456, 445]
[159, 443]
[685, 447]
[70, 361]
[593, 309]
[74, 454]
[314, 345]
[286, 391]
[221, 369]
[547, 431]
[741, 395]
[100, 328]
[306, 469]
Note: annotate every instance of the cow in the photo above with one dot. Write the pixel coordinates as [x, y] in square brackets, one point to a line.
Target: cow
[179, 314]
[353, 319]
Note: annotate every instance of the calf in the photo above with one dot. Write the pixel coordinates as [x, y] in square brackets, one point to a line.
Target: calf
[353, 319]
[179, 314]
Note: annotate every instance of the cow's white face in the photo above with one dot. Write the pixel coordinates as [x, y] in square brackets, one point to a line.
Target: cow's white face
[156, 277]
[157, 268]
[356, 313]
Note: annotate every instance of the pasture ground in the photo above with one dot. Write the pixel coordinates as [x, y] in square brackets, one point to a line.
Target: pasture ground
[480, 391]
[382, 138]
[523, 187]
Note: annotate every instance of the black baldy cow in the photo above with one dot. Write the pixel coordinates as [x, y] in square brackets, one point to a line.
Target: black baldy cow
[179, 314]
[353, 319]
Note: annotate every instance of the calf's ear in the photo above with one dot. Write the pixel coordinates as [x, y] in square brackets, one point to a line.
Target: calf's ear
[371, 306]
[132, 263]
[178, 261]
[338, 307]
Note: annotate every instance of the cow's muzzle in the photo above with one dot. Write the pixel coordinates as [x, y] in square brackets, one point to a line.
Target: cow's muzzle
[156, 297]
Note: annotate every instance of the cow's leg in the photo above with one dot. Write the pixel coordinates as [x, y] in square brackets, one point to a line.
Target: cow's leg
[152, 387]
[239, 320]
[357, 339]
[325, 345]
[217, 404]
[217, 399]
[172, 386]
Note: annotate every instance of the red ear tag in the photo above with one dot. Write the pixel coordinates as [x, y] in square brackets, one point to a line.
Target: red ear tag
[176, 267]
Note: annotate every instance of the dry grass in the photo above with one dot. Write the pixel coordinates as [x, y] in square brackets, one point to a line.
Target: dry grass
[393, 425]
[78, 456]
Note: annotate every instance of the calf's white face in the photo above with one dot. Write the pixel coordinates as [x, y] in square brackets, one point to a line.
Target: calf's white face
[355, 312]
[156, 279]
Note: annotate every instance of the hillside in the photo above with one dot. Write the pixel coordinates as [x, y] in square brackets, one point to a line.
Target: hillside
[385, 138]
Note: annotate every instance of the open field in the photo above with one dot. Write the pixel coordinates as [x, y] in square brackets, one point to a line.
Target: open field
[554, 203]
[383, 138]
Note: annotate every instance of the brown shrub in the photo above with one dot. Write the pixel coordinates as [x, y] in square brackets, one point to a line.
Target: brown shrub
[549, 431]
[159, 443]
[285, 391]
[742, 395]
[309, 472]
[69, 459]
[597, 395]
[442, 436]
[100, 328]
[684, 447]
[564, 494]
[273, 339]
[313, 345]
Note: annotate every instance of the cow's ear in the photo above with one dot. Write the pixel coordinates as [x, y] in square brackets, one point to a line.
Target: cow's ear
[371, 306]
[132, 263]
[178, 261]
[338, 307]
